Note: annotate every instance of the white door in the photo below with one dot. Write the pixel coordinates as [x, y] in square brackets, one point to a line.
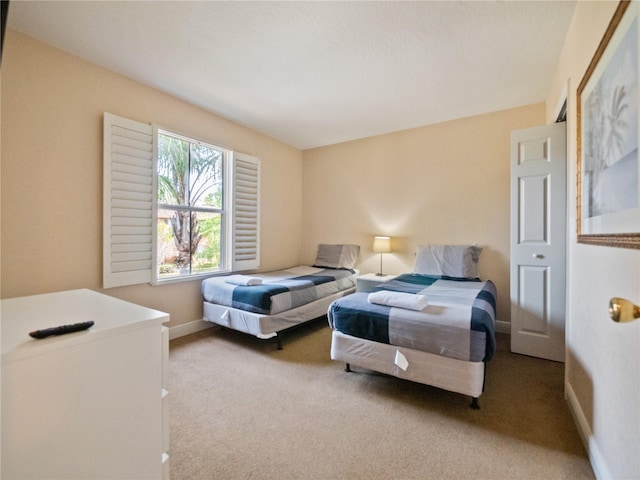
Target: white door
[538, 241]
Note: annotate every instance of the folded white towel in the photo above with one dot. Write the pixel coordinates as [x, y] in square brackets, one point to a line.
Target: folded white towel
[243, 280]
[409, 301]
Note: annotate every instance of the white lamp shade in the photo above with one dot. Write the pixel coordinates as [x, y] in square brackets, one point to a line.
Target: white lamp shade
[382, 245]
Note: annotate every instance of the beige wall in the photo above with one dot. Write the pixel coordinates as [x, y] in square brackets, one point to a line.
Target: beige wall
[441, 184]
[52, 107]
[446, 183]
[603, 358]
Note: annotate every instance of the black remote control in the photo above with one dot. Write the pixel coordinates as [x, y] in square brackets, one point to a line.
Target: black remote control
[61, 330]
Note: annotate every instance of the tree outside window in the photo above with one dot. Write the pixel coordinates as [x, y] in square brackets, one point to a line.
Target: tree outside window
[190, 207]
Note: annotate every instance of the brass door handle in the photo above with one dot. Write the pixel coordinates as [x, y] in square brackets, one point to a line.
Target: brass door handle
[622, 310]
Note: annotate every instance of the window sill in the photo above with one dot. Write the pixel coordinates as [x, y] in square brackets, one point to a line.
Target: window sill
[190, 278]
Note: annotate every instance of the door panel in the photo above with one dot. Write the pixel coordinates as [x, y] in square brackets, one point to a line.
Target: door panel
[534, 297]
[533, 207]
[538, 241]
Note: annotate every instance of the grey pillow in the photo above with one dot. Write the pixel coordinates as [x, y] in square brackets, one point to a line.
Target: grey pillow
[336, 256]
[451, 260]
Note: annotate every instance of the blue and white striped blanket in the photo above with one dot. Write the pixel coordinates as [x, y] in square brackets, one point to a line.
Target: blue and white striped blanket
[459, 321]
[279, 290]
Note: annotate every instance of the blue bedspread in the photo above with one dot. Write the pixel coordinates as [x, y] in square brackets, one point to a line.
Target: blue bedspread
[458, 323]
[280, 290]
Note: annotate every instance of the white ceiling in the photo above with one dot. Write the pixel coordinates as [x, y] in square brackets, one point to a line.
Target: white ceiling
[318, 73]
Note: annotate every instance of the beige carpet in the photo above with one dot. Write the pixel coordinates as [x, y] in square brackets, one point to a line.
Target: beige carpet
[240, 409]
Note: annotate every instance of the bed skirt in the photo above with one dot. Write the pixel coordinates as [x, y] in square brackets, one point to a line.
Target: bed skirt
[268, 326]
[450, 374]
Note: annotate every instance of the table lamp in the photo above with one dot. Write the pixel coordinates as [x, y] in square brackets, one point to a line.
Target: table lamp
[381, 245]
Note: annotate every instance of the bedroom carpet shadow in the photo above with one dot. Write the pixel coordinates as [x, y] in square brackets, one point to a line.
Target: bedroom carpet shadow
[241, 409]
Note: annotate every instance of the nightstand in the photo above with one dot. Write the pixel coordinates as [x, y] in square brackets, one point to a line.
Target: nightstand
[368, 281]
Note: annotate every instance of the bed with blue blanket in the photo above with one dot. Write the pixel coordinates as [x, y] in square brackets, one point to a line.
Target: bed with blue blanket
[264, 304]
[444, 341]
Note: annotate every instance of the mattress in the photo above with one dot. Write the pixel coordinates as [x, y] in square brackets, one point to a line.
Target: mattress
[458, 323]
[267, 326]
[279, 291]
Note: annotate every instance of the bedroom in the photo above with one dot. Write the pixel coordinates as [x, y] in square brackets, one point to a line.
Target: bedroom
[52, 100]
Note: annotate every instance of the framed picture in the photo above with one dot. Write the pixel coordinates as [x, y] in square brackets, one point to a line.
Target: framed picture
[608, 168]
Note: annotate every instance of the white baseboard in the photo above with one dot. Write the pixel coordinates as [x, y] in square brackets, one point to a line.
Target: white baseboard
[595, 457]
[503, 327]
[188, 328]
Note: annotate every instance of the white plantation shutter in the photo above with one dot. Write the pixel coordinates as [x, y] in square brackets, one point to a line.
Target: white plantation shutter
[246, 212]
[128, 202]
[129, 205]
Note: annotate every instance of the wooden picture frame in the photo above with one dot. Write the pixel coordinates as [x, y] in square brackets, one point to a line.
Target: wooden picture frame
[608, 173]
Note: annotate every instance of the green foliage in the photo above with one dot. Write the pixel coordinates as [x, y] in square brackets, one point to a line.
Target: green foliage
[173, 168]
[189, 175]
[211, 229]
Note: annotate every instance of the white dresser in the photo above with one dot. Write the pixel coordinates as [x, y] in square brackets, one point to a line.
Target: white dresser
[84, 405]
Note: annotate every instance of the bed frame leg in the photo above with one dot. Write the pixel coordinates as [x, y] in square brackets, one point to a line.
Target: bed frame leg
[279, 340]
[474, 403]
[484, 376]
[347, 368]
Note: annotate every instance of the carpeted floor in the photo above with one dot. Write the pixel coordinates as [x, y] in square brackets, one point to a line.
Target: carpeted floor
[240, 409]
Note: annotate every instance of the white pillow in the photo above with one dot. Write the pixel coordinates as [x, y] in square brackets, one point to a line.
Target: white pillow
[336, 256]
[451, 260]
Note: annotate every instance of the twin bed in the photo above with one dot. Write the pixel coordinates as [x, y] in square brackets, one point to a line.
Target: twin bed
[267, 304]
[434, 326]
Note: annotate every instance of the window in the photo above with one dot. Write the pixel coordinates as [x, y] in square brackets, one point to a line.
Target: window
[175, 208]
[190, 199]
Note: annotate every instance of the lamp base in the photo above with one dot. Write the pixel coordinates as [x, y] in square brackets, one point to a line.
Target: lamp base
[380, 274]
